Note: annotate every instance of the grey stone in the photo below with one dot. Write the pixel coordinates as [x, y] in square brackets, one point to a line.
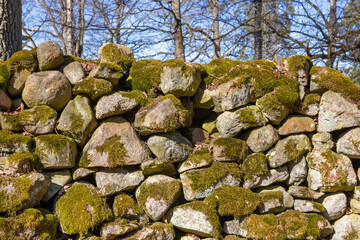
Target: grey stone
[297, 124]
[272, 176]
[38, 120]
[347, 227]
[119, 227]
[304, 192]
[49, 55]
[58, 180]
[298, 171]
[74, 72]
[307, 206]
[262, 138]
[349, 145]
[322, 141]
[335, 205]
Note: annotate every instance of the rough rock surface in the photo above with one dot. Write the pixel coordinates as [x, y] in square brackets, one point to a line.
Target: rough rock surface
[263, 138]
[335, 205]
[49, 55]
[348, 144]
[347, 227]
[38, 120]
[297, 124]
[74, 72]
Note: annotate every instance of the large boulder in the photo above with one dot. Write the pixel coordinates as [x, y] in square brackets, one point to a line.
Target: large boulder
[157, 193]
[163, 114]
[330, 172]
[77, 120]
[47, 88]
[38, 120]
[114, 143]
[337, 113]
[349, 145]
[49, 55]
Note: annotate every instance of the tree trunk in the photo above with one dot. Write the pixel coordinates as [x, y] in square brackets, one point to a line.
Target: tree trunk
[119, 9]
[178, 36]
[68, 27]
[216, 29]
[258, 38]
[81, 28]
[332, 33]
[10, 28]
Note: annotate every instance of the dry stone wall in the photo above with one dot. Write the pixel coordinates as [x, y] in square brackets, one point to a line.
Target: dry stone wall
[149, 149]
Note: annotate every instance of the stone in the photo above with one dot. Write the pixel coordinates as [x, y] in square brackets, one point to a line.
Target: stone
[330, 172]
[200, 183]
[230, 95]
[117, 54]
[297, 124]
[5, 101]
[10, 122]
[322, 141]
[348, 144]
[304, 192]
[272, 176]
[74, 72]
[47, 88]
[337, 113]
[298, 171]
[164, 114]
[56, 151]
[17, 82]
[310, 106]
[116, 104]
[299, 67]
[157, 194]
[81, 208]
[198, 135]
[157, 230]
[114, 143]
[77, 120]
[58, 180]
[262, 139]
[169, 147]
[209, 126]
[10, 142]
[95, 88]
[230, 149]
[274, 199]
[272, 109]
[108, 71]
[17, 164]
[118, 228]
[195, 161]
[180, 80]
[289, 149]
[347, 227]
[357, 193]
[49, 55]
[38, 120]
[197, 218]
[355, 206]
[81, 173]
[22, 192]
[230, 124]
[335, 205]
[111, 181]
[156, 166]
[203, 97]
[126, 207]
[307, 206]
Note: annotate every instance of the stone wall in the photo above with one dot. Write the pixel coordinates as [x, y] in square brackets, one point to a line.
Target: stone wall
[149, 149]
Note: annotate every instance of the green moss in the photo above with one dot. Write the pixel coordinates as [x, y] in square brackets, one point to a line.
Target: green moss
[137, 95]
[84, 160]
[286, 95]
[311, 99]
[210, 213]
[10, 142]
[12, 201]
[109, 71]
[167, 191]
[233, 201]
[201, 151]
[24, 59]
[11, 122]
[204, 178]
[334, 80]
[292, 152]
[255, 164]
[232, 237]
[81, 208]
[32, 222]
[115, 151]
[318, 206]
[112, 54]
[162, 230]
[145, 74]
[31, 158]
[295, 224]
[266, 227]
[93, 87]
[158, 167]
[125, 207]
[313, 230]
[198, 158]
[53, 142]
[233, 148]
[296, 63]
[269, 196]
[4, 76]
[40, 114]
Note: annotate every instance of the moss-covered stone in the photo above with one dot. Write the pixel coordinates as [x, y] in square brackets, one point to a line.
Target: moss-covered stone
[255, 165]
[125, 207]
[38, 120]
[266, 227]
[10, 142]
[233, 201]
[295, 224]
[30, 224]
[230, 149]
[331, 79]
[196, 160]
[4, 76]
[154, 167]
[93, 87]
[116, 54]
[71, 58]
[24, 161]
[108, 71]
[81, 208]
[137, 95]
[24, 59]
[10, 122]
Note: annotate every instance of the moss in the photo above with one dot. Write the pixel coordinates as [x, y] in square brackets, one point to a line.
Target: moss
[162, 230]
[296, 63]
[167, 191]
[71, 58]
[311, 99]
[53, 142]
[313, 230]
[204, 178]
[137, 95]
[11, 122]
[286, 95]
[233, 201]
[84, 160]
[145, 74]
[40, 114]
[210, 213]
[109, 71]
[112, 54]
[24, 59]
[31, 158]
[81, 208]
[115, 151]
[334, 80]
[125, 207]
[158, 167]
[266, 227]
[318, 206]
[12, 201]
[255, 164]
[295, 224]
[197, 158]
[232, 237]
[269, 196]
[93, 87]
[4, 76]
[233, 148]
[10, 142]
[30, 223]
[291, 150]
